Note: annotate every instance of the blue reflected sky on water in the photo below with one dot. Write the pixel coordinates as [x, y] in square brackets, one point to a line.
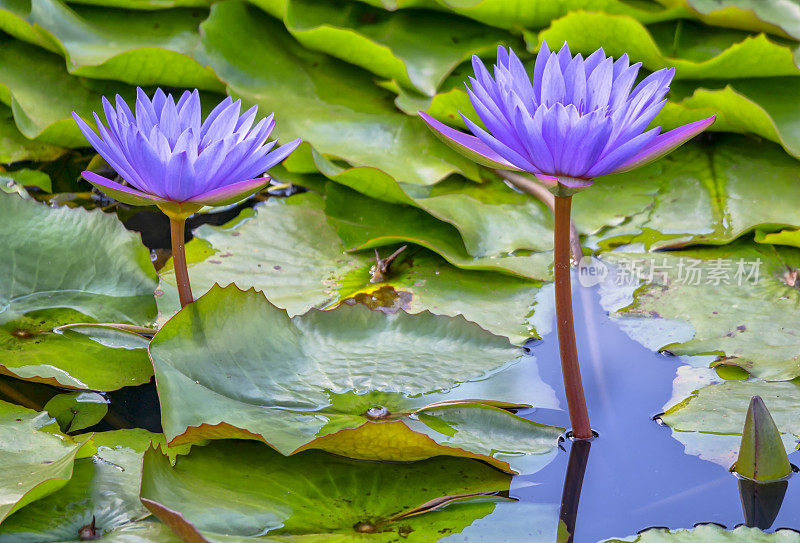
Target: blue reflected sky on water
[637, 475]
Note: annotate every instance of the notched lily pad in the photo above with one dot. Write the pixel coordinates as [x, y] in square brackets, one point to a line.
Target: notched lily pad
[35, 462]
[711, 533]
[356, 382]
[318, 497]
[100, 501]
[303, 265]
[709, 421]
[52, 279]
[731, 301]
[77, 410]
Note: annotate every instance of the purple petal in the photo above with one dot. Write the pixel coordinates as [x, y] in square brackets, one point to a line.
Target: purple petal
[538, 71]
[553, 88]
[500, 147]
[619, 155]
[664, 143]
[126, 195]
[467, 145]
[230, 194]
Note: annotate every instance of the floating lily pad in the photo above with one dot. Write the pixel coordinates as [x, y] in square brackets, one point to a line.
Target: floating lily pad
[388, 44]
[711, 533]
[64, 266]
[26, 178]
[35, 463]
[14, 147]
[102, 497]
[709, 422]
[354, 381]
[732, 301]
[701, 193]
[776, 17]
[364, 223]
[140, 48]
[27, 76]
[492, 219]
[316, 497]
[77, 410]
[304, 265]
[761, 106]
[515, 14]
[696, 51]
[332, 105]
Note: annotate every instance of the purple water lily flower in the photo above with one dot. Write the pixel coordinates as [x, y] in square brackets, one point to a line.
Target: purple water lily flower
[575, 120]
[172, 160]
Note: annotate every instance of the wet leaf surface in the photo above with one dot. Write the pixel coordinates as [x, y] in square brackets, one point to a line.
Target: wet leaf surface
[315, 497]
[388, 44]
[731, 301]
[50, 280]
[302, 264]
[101, 498]
[712, 533]
[140, 48]
[35, 462]
[343, 113]
[710, 420]
[77, 410]
[694, 50]
[351, 381]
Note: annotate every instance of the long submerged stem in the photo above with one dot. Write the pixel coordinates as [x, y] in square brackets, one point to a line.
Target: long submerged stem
[573, 386]
[177, 227]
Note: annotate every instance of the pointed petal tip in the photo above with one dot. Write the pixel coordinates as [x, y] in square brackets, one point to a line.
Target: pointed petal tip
[126, 195]
[466, 144]
[665, 143]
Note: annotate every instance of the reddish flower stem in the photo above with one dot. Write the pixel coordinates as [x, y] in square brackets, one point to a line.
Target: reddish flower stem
[573, 387]
[177, 229]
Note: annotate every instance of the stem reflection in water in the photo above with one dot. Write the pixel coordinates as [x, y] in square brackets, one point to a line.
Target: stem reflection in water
[573, 482]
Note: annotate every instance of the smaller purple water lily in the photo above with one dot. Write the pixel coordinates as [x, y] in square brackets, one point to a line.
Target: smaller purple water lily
[573, 121]
[172, 160]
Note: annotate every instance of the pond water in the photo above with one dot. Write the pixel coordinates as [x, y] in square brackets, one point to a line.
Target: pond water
[637, 476]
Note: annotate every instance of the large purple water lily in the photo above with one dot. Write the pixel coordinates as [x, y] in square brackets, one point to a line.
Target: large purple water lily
[170, 159]
[575, 120]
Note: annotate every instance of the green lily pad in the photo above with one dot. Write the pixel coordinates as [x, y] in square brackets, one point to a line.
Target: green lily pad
[710, 420]
[491, 218]
[306, 266]
[14, 147]
[27, 76]
[140, 48]
[711, 533]
[328, 103]
[145, 4]
[26, 178]
[514, 14]
[731, 301]
[389, 45]
[696, 51]
[35, 463]
[784, 237]
[77, 410]
[353, 381]
[104, 490]
[701, 193]
[761, 106]
[364, 223]
[316, 497]
[52, 279]
[776, 17]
